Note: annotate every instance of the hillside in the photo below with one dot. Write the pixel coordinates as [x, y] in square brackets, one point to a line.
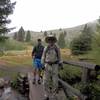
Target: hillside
[74, 31]
[71, 32]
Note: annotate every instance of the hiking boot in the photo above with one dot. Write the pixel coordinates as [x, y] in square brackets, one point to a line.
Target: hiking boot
[57, 91]
[34, 81]
[39, 81]
[46, 98]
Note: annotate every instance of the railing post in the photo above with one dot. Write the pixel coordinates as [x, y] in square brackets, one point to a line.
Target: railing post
[85, 75]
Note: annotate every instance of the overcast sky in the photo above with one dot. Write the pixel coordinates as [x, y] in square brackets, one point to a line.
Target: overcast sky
[43, 15]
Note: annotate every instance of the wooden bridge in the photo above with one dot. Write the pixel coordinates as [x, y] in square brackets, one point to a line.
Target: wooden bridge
[36, 92]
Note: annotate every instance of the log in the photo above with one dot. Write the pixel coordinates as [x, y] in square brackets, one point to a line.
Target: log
[83, 64]
[72, 90]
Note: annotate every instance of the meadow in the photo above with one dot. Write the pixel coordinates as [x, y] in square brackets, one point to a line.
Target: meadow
[20, 60]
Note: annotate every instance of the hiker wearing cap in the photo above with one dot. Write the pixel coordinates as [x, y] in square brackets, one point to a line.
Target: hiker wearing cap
[36, 56]
[51, 58]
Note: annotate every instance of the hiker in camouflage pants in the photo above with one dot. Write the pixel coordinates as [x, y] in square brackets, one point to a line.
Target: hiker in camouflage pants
[51, 58]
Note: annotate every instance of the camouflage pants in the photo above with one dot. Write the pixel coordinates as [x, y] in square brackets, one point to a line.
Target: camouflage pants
[50, 78]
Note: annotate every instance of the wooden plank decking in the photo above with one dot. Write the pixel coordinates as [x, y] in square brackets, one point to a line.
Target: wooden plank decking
[37, 93]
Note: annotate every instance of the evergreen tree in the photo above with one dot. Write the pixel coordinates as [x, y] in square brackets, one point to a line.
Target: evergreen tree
[61, 41]
[65, 33]
[55, 34]
[28, 36]
[96, 38]
[15, 36]
[51, 33]
[60, 29]
[45, 33]
[82, 44]
[96, 43]
[6, 8]
[21, 35]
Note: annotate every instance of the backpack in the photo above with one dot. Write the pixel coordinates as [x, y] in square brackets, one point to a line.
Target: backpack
[56, 50]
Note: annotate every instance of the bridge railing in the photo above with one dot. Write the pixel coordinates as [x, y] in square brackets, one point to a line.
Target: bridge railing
[86, 69]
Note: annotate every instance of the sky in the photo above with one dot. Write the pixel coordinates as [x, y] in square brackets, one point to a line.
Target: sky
[37, 15]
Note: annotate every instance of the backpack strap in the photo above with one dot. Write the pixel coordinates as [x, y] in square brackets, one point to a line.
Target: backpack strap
[56, 50]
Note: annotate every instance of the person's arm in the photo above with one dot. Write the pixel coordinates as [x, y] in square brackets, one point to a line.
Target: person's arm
[59, 58]
[43, 56]
[59, 54]
[33, 52]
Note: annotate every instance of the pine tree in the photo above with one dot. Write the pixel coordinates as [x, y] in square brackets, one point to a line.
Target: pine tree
[65, 33]
[96, 43]
[96, 39]
[83, 43]
[55, 34]
[6, 8]
[21, 35]
[15, 36]
[61, 41]
[45, 33]
[28, 36]
[51, 33]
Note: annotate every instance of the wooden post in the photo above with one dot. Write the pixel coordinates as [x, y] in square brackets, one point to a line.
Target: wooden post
[85, 75]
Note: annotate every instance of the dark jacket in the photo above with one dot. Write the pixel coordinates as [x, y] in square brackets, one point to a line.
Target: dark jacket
[37, 51]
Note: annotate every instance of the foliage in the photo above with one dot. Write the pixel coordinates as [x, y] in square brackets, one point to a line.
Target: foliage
[12, 45]
[15, 36]
[70, 74]
[61, 41]
[6, 8]
[13, 61]
[14, 83]
[91, 90]
[82, 44]
[32, 43]
[28, 36]
[51, 33]
[3, 38]
[45, 33]
[65, 33]
[96, 44]
[96, 38]
[21, 35]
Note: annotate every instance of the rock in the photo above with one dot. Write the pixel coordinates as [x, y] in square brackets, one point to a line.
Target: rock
[2, 82]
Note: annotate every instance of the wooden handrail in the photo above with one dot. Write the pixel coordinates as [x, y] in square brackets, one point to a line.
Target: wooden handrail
[69, 88]
[86, 69]
[83, 64]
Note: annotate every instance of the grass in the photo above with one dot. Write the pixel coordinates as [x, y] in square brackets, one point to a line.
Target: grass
[11, 44]
[12, 75]
[17, 60]
[13, 62]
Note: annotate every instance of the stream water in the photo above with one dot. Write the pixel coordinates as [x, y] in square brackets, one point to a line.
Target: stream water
[9, 94]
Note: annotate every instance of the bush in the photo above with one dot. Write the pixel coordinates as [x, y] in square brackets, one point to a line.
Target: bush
[12, 45]
[82, 44]
[70, 74]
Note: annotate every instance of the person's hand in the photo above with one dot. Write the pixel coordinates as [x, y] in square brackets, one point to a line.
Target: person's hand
[43, 67]
[32, 57]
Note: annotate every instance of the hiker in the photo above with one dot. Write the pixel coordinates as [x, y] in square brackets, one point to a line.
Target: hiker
[36, 56]
[51, 58]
